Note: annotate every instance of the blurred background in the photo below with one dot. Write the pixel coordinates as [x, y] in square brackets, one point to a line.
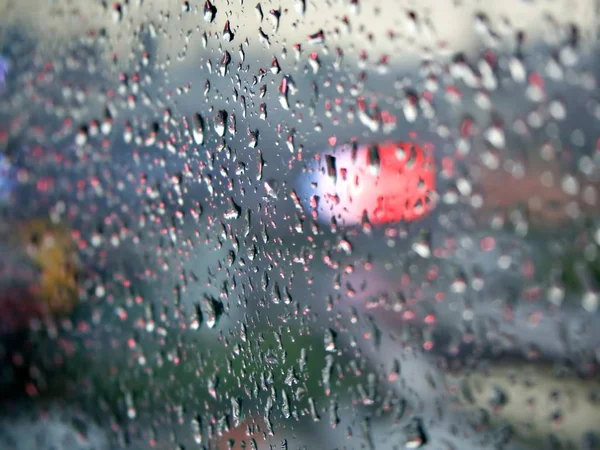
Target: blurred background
[295, 224]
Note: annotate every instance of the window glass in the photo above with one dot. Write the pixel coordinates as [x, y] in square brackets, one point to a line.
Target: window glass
[348, 224]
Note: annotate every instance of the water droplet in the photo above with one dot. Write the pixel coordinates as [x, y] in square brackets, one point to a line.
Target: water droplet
[259, 12]
[300, 6]
[422, 245]
[211, 310]
[317, 37]
[330, 168]
[224, 65]
[415, 434]
[275, 15]
[329, 340]
[275, 69]
[227, 33]
[198, 129]
[210, 11]
[374, 160]
[220, 122]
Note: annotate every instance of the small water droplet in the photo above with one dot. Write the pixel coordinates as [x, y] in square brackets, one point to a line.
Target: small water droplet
[198, 129]
[227, 33]
[210, 11]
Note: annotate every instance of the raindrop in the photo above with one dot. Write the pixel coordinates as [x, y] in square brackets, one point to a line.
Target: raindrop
[275, 69]
[227, 33]
[329, 340]
[317, 38]
[415, 434]
[234, 210]
[262, 111]
[300, 6]
[263, 38]
[330, 167]
[275, 15]
[497, 397]
[224, 65]
[198, 129]
[313, 410]
[117, 12]
[211, 310]
[253, 135]
[236, 411]
[422, 245]
[517, 70]
[374, 159]
[220, 122]
[283, 93]
[197, 430]
[259, 12]
[210, 11]
[495, 136]
[314, 62]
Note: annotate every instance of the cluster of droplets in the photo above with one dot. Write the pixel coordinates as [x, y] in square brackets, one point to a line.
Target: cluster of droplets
[241, 294]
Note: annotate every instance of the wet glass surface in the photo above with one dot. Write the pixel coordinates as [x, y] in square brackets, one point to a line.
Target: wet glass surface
[299, 224]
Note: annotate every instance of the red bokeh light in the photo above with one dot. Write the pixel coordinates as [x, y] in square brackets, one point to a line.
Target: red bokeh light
[391, 182]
